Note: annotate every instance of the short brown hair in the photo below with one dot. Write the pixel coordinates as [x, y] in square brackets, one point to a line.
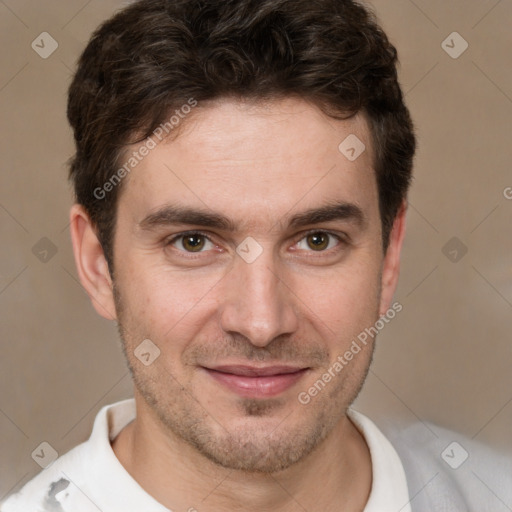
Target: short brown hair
[154, 55]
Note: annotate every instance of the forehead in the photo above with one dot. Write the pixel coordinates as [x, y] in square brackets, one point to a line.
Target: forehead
[256, 163]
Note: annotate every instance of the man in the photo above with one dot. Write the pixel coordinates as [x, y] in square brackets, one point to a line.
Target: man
[241, 181]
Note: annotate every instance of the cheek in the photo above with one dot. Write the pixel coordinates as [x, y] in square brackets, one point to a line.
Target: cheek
[160, 302]
[342, 302]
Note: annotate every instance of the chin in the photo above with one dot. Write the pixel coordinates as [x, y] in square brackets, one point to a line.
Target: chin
[259, 445]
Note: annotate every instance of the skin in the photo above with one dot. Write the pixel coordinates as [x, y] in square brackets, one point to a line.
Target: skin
[195, 442]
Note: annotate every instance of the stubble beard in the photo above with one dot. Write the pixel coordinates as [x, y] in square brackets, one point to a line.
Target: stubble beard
[239, 448]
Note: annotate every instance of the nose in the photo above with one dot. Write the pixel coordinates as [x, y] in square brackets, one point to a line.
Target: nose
[256, 301]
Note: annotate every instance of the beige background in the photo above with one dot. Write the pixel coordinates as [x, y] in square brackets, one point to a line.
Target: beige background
[446, 358]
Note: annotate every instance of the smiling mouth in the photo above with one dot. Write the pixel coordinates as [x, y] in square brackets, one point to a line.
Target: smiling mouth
[256, 382]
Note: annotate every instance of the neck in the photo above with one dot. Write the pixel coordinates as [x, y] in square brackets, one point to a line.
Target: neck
[336, 476]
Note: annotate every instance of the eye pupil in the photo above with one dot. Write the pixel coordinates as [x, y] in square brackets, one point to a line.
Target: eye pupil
[318, 241]
[194, 243]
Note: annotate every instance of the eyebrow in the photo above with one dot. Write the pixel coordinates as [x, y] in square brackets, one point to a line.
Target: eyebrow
[175, 214]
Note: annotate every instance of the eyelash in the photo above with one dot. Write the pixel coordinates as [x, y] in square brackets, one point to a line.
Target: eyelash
[341, 239]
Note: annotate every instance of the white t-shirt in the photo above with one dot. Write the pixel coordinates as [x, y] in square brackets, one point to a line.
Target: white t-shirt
[90, 478]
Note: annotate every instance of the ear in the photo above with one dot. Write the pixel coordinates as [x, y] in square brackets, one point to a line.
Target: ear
[91, 264]
[391, 264]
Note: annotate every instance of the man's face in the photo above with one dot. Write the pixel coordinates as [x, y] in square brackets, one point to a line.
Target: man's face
[244, 324]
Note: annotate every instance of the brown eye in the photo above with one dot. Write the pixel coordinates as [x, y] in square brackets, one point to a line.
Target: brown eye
[193, 243]
[318, 241]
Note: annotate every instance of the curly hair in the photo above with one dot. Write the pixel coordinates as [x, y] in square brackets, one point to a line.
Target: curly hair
[154, 55]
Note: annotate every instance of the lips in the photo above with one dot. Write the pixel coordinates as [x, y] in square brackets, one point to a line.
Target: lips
[254, 371]
[256, 382]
